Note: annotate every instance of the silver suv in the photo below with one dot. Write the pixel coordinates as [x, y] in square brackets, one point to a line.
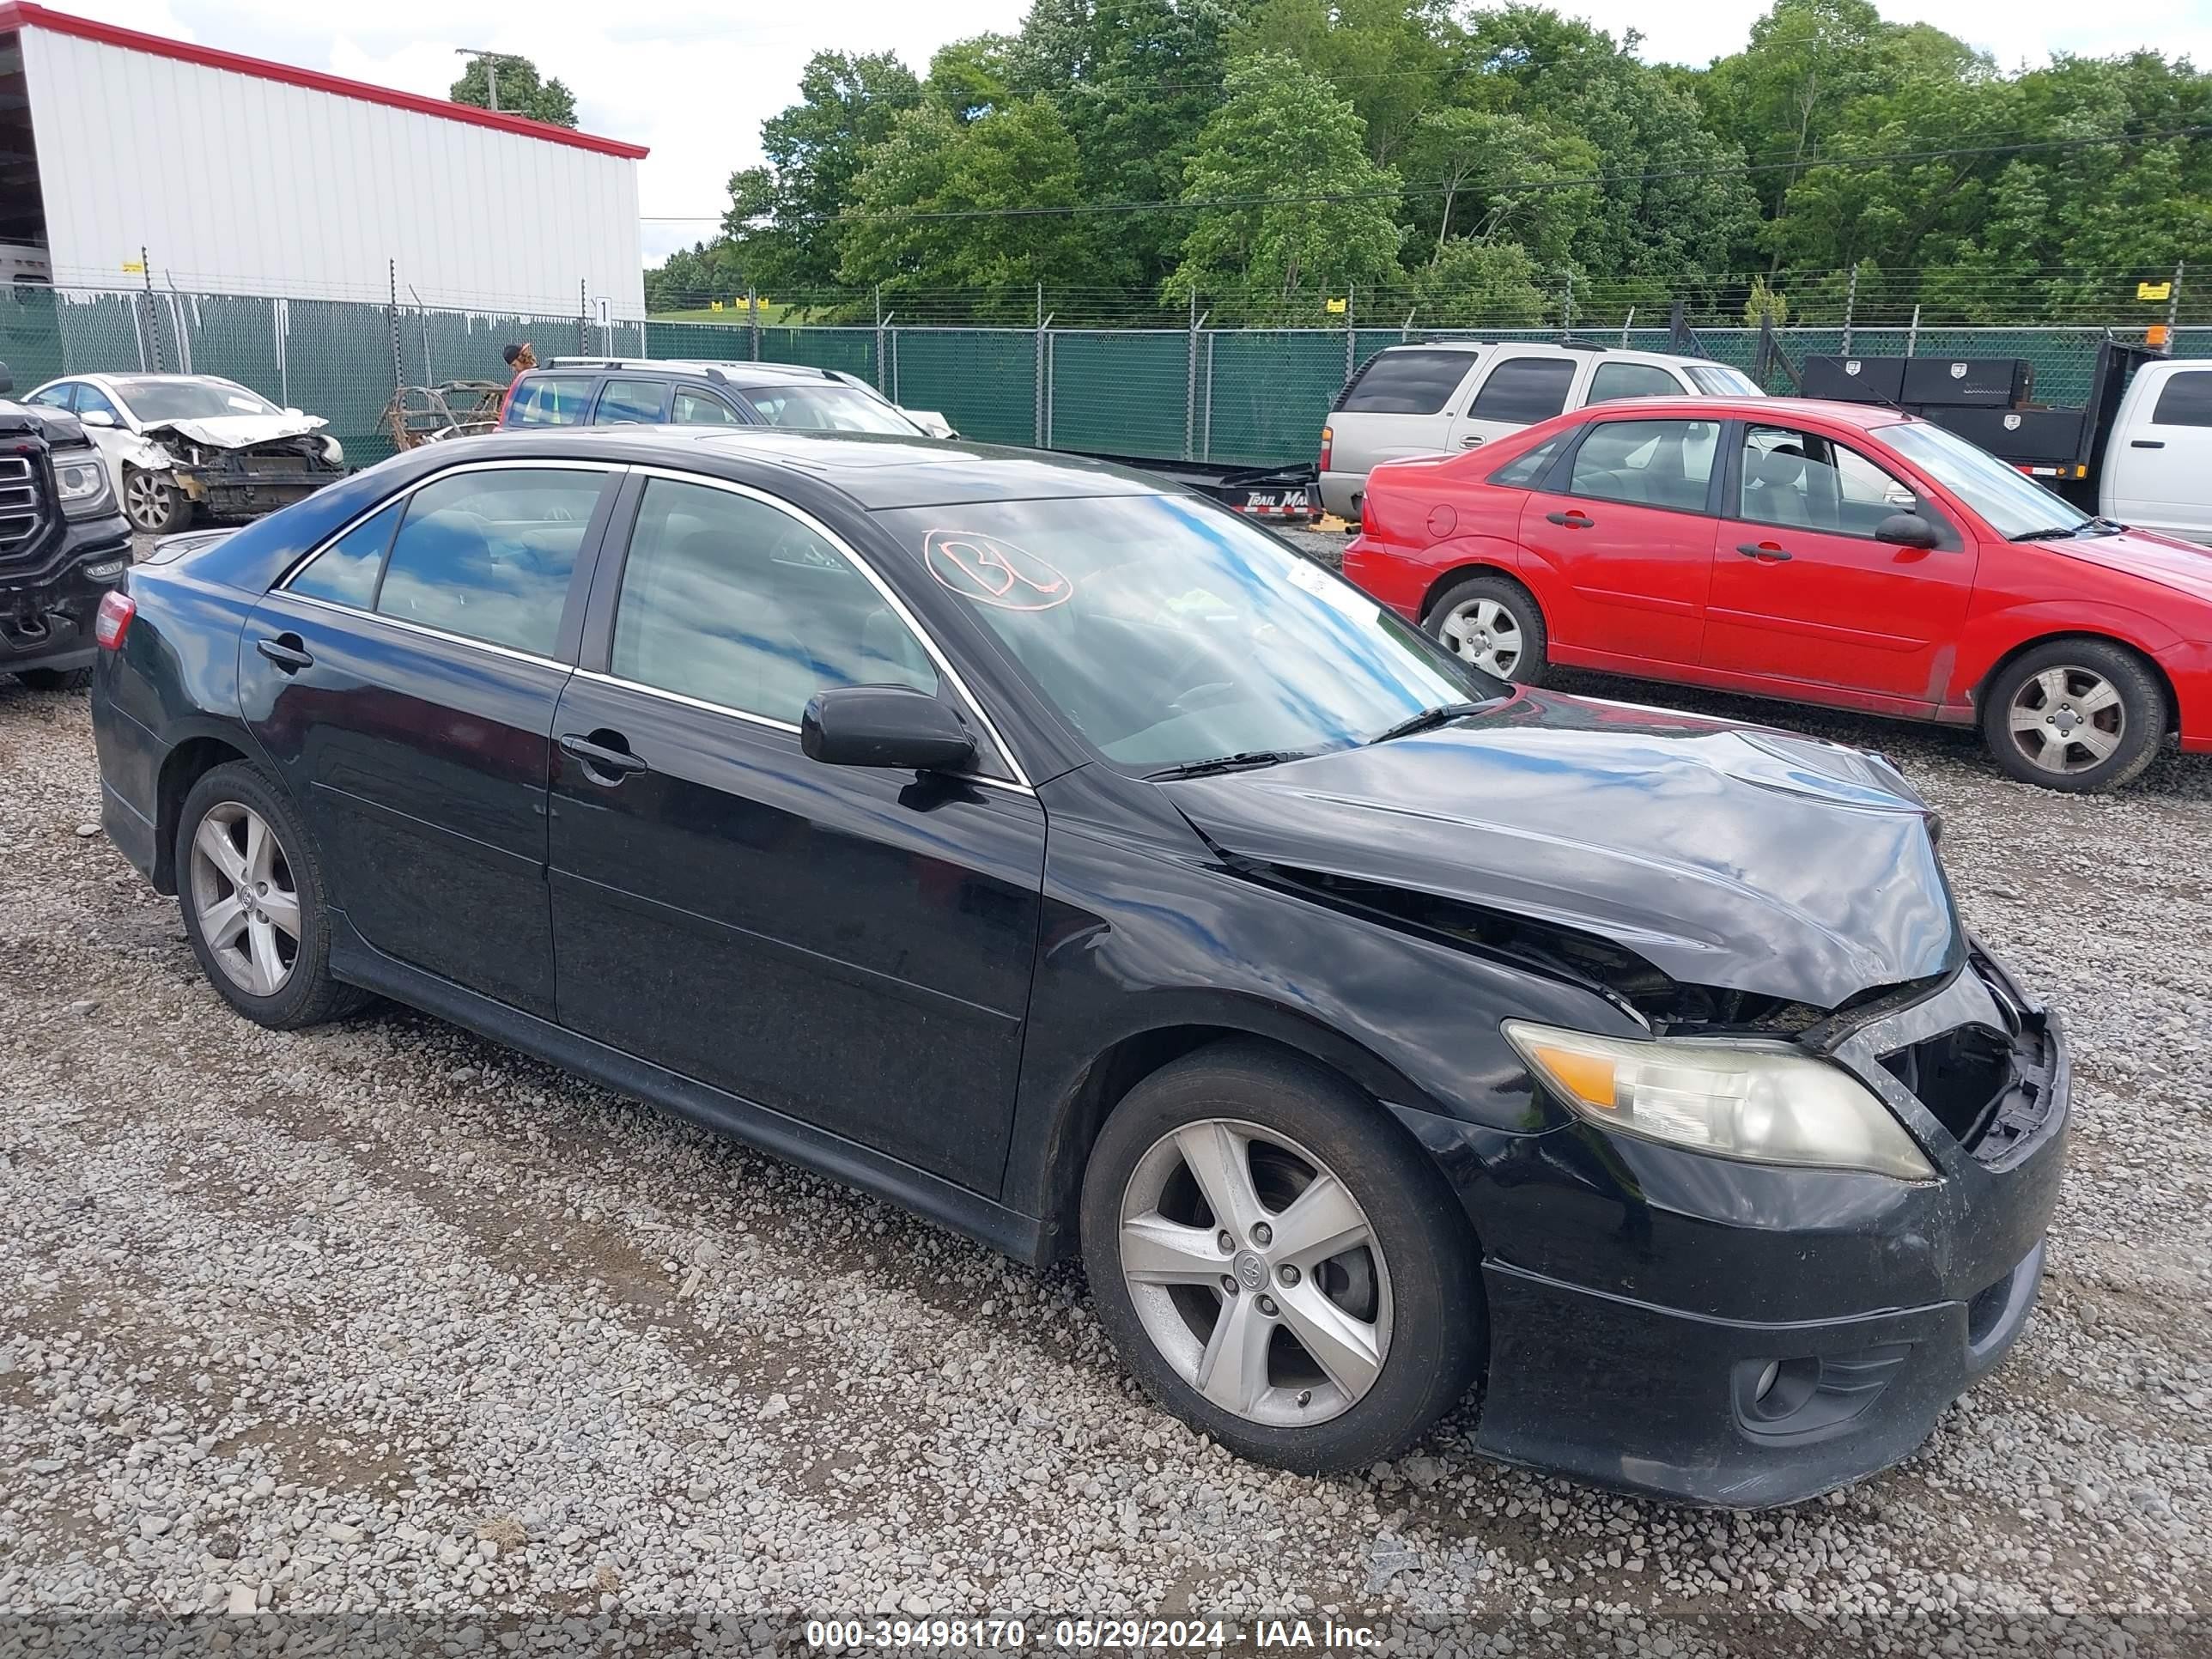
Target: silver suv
[1448, 395]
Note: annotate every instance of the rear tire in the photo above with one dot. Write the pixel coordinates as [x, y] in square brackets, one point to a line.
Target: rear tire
[153, 503]
[252, 894]
[1377, 1340]
[55, 679]
[1495, 624]
[2081, 715]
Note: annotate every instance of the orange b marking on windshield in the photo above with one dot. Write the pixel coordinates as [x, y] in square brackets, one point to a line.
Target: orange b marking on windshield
[992, 571]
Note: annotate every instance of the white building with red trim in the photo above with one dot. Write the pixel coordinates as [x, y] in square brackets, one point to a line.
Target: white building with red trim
[237, 175]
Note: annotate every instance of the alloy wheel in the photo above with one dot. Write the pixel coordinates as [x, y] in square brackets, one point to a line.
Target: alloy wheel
[1256, 1272]
[146, 499]
[244, 899]
[2067, 720]
[1485, 633]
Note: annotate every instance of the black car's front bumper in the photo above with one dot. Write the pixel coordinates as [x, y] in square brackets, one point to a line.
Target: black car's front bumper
[1642, 1296]
[47, 607]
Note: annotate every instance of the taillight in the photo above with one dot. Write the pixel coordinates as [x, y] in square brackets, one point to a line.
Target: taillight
[1326, 438]
[115, 610]
[1367, 515]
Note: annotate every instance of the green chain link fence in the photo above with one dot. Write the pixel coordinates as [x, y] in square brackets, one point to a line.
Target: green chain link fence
[1229, 395]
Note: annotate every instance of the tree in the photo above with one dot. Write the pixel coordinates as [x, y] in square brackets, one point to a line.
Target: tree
[933, 165]
[784, 217]
[1386, 55]
[971, 77]
[520, 91]
[1470, 283]
[1502, 178]
[1283, 194]
[691, 276]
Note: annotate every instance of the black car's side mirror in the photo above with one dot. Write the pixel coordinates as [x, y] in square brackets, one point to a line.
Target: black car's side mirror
[891, 726]
[1907, 530]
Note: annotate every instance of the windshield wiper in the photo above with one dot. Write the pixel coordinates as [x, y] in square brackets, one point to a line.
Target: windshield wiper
[2057, 533]
[1427, 719]
[1243, 762]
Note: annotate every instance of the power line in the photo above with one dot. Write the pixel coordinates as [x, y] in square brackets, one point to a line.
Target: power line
[1740, 169]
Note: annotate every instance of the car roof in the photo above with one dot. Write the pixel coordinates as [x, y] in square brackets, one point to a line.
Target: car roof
[874, 471]
[1766, 411]
[1575, 348]
[736, 372]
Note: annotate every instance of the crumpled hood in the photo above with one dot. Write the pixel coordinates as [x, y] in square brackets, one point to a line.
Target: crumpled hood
[1728, 856]
[238, 431]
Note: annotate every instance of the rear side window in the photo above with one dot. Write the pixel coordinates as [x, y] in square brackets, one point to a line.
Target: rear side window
[624, 402]
[1405, 383]
[551, 400]
[488, 555]
[1614, 380]
[702, 409]
[345, 572]
[2186, 400]
[1524, 390]
[1522, 472]
[1653, 463]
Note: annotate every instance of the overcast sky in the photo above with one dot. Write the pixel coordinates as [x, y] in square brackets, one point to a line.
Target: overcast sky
[695, 87]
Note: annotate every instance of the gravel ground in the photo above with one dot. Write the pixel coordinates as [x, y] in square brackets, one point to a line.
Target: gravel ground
[384, 1320]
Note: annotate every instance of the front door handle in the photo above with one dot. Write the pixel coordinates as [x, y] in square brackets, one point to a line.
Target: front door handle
[1469, 443]
[2146, 443]
[1573, 518]
[603, 763]
[1764, 552]
[286, 651]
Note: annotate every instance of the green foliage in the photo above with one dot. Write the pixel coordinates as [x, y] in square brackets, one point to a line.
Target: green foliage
[1765, 305]
[1466, 282]
[1283, 132]
[520, 91]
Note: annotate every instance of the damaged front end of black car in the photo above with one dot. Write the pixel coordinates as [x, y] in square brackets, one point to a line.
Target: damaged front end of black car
[1762, 1206]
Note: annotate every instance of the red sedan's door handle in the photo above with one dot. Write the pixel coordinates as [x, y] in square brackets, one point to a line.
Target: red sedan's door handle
[1572, 517]
[1766, 552]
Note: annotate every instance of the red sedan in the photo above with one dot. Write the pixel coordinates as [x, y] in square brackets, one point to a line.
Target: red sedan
[1824, 552]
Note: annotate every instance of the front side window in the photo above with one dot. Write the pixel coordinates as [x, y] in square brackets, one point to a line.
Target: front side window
[1614, 380]
[1169, 632]
[732, 601]
[90, 400]
[1405, 383]
[623, 403]
[1524, 390]
[1719, 380]
[2184, 400]
[826, 406]
[551, 400]
[488, 555]
[1801, 479]
[345, 572]
[1651, 462]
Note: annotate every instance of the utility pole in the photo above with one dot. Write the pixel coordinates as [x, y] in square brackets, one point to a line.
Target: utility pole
[491, 62]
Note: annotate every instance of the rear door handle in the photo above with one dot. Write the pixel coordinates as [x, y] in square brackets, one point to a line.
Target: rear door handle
[1469, 443]
[2146, 443]
[1766, 552]
[602, 761]
[286, 652]
[1572, 520]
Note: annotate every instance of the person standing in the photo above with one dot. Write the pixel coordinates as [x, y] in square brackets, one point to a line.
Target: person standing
[520, 359]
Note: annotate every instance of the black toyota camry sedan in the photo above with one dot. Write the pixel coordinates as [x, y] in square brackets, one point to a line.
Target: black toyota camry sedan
[1070, 861]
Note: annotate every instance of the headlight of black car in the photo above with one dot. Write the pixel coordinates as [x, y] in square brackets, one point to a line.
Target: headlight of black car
[83, 478]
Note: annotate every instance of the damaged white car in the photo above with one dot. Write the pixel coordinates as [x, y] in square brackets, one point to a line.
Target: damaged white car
[175, 442]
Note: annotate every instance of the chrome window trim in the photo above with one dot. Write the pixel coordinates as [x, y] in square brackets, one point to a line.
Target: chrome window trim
[284, 583]
[898, 609]
[768, 721]
[404, 626]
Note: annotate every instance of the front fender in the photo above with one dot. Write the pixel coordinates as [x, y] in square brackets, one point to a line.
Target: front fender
[1988, 639]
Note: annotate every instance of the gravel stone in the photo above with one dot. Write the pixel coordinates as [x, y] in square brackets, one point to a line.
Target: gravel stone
[349, 1297]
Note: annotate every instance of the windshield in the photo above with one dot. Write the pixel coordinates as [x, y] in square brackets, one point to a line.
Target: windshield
[1719, 380]
[190, 400]
[1168, 632]
[826, 407]
[2012, 504]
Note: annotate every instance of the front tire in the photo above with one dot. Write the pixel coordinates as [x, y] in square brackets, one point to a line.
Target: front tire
[2080, 715]
[1494, 623]
[153, 503]
[1342, 1318]
[253, 898]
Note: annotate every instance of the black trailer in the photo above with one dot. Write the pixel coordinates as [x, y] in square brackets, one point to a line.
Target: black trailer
[1282, 495]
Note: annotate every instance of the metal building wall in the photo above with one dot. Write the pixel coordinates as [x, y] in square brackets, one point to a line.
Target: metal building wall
[236, 183]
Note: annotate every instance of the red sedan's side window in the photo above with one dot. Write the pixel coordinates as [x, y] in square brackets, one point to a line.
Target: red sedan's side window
[1798, 478]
